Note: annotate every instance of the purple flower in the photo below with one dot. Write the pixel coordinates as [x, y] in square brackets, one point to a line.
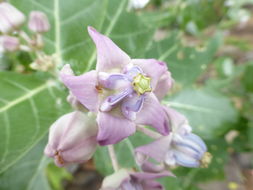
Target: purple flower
[121, 90]
[181, 147]
[127, 180]
[10, 18]
[72, 139]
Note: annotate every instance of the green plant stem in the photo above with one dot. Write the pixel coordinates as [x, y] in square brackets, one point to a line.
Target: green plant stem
[113, 157]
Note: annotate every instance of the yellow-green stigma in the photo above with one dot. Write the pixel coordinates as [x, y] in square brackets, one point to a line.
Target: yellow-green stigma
[141, 84]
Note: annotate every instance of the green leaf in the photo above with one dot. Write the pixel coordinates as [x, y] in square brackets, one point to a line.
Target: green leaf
[68, 37]
[28, 106]
[185, 63]
[29, 172]
[210, 113]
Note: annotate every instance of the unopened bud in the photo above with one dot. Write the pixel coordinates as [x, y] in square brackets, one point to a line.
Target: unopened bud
[9, 43]
[72, 139]
[10, 18]
[38, 22]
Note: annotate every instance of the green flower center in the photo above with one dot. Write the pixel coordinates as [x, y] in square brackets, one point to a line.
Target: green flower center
[141, 84]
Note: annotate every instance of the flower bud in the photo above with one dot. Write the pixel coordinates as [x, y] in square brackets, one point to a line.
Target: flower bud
[9, 43]
[10, 18]
[129, 180]
[72, 139]
[38, 22]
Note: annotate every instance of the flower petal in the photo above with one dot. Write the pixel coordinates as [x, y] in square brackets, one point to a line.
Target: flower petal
[140, 176]
[109, 55]
[83, 87]
[81, 152]
[152, 68]
[152, 114]
[112, 100]
[178, 121]
[152, 185]
[113, 129]
[132, 105]
[115, 180]
[185, 160]
[132, 71]
[156, 150]
[163, 86]
[113, 81]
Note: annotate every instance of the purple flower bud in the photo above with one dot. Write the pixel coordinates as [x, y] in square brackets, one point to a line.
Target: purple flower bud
[38, 22]
[9, 43]
[181, 147]
[127, 180]
[10, 18]
[72, 139]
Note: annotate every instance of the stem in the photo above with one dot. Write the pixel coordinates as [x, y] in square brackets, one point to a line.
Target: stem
[149, 132]
[113, 157]
[25, 37]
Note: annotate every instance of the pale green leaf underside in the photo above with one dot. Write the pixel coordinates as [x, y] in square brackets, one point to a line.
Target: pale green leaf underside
[29, 172]
[209, 113]
[27, 108]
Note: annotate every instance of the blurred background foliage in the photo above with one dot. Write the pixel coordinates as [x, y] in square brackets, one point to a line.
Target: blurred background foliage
[207, 45]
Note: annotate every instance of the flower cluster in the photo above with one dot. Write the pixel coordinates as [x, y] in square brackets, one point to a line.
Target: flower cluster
[111, 102]
[13, 38]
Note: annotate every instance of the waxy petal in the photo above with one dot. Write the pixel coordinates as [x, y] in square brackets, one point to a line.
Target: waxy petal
[156, 150]
[152, 68]
[132, 105]
[113, 81]
[72, 139]
[113, 129]
[133, 71]
[152, 114]
[112, 100]
[186, 160]
[178, 122]
[109, 55]
[114, 181]
[83, 87]
[163, 86]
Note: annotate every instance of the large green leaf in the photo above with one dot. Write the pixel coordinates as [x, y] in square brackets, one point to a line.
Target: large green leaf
[209, 113]
[29, 172]
[185, 63]
[28, 106]
[68, 37]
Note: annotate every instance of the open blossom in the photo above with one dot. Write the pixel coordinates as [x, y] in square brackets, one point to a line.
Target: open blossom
[10, 18]
[122, 91]
[181, 147]
[127, 180]
[72, 139]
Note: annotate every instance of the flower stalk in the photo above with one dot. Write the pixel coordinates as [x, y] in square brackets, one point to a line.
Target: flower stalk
[113, 157]
[148, 132]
